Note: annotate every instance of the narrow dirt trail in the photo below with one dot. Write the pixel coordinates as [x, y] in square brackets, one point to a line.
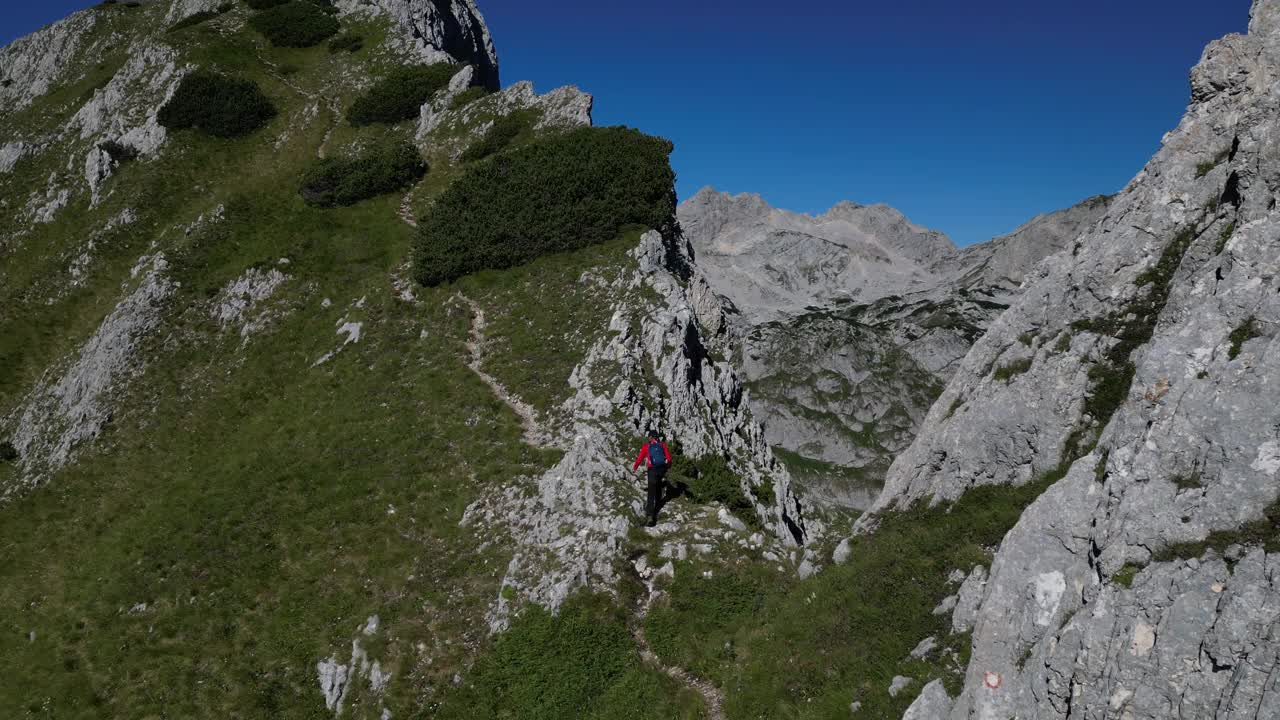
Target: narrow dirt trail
[533, 434]
[712, 697]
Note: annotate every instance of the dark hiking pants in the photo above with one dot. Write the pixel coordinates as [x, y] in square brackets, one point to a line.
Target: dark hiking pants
[656, 475]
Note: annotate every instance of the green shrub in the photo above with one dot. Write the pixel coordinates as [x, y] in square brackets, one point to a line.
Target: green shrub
[503, 133]
[384, 169]
[1246, 331]
[1225, 237]
[119, 152]
[554, 195]
[1263, 532]
[1013, 369]
[349, 42]
[1204, 168]
[296, 24]
[1187, 481]
[1125, 575]
[8, 453]
[1064, 342]
[709, 479]
[218, 105]
[764, 494]
[468, 96]
[401, 94]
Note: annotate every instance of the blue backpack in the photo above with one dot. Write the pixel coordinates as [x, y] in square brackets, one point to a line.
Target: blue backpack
[656, 456]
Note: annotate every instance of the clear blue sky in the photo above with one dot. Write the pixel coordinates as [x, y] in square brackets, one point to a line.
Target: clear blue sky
[970, 117]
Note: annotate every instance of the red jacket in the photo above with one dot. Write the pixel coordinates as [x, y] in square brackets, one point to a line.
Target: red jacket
[644, 455]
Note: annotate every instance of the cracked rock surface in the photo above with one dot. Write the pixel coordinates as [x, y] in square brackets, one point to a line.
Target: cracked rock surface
[1139, 584]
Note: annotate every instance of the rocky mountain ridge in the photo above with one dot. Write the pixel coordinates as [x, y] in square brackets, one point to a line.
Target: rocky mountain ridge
[848, 323]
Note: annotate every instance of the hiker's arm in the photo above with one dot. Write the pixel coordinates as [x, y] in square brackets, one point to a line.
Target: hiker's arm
[639, 458]
[666, 452]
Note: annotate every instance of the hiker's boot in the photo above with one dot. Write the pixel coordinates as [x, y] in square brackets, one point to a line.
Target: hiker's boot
[653, 521]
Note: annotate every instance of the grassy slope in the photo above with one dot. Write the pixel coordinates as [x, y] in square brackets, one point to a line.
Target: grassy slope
[243, 496]
[246, 497]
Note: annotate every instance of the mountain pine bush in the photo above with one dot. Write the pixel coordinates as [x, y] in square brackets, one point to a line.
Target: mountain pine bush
[401, 94]
[384, 169]
[556, 194]
[296, 24]
[350, 42]
[217, 105]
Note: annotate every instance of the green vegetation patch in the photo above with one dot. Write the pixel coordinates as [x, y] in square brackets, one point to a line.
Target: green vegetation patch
[1188, 481]
[348, 42]
[1064, 342]
[1008, 372]
[505, 131]
[468, 96]
[557, 194]
[1224, 237]
[1132, 327]
[709, 479]
[400, 95]
[385, 168]
[1264, 533]
[8, 453]
[696, 627]
[1244, 332]
[582, 663]
[119, 152]
[297, 24]
[845, 633]
[1125, 575]
[537, 337]
[217, 105]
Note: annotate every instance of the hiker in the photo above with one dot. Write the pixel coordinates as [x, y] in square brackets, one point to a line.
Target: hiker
[657, 458]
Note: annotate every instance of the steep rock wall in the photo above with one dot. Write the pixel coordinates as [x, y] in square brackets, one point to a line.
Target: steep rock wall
[1141, 583]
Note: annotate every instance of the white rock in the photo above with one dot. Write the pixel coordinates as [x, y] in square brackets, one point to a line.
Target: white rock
[898, 684]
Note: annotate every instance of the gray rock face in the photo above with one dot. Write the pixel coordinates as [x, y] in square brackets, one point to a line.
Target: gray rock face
[69, 406]
[438, 31]
[570, 528]
[35, 63]
[452, 129]
[849, 322]
[1003, 263]
[1151, 382]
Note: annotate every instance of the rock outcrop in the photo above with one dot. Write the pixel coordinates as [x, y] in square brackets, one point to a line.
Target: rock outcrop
[1136, 380]
[570, 529]
[438, 31]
